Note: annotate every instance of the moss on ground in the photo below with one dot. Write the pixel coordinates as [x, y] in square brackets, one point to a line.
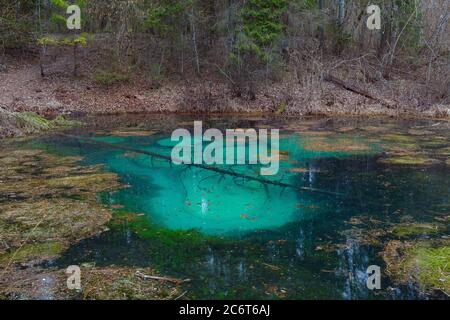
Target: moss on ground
[24, 123]
[328, 142]
[409, 160]
[407, 230]
[424, 263]
[40, 251]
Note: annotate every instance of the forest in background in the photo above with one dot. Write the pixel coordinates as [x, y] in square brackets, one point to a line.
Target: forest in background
[296, 48]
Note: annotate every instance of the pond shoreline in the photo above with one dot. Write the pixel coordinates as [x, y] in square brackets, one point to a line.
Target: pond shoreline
[24, 90]
[12, 128]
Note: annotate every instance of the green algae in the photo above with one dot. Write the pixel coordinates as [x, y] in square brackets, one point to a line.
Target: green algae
[163, 240]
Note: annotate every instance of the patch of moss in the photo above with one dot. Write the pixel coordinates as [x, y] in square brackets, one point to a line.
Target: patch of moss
[424, 263]
[28, 252]
[415, 229]
[331, 143]
[23, 123]
[61, 122]
[398, 138]
[409, 160]
[110, 78]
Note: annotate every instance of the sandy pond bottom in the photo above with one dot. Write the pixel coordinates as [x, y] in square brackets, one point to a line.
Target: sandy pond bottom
[386, 203]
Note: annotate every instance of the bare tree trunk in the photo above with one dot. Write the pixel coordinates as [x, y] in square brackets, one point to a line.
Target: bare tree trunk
[182, 53]
[339, 46]
[43, 53]
[341, 12]
[194, 41]
[321, 26]
[75, 60]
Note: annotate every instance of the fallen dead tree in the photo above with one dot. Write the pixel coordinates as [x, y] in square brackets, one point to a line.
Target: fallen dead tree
[355, 89]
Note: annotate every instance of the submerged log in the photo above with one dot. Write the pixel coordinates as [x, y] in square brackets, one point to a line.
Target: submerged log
[204, 166]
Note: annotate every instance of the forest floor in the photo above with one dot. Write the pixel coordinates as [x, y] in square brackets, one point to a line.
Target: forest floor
[23, 89]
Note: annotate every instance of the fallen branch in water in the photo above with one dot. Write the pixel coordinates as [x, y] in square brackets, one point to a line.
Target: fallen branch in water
[218, 170]
[174, 280]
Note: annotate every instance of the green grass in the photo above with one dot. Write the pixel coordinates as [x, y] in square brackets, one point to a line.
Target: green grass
[433, 266]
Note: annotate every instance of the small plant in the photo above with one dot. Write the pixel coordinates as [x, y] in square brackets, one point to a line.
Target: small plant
[110, 78]
[282, 107]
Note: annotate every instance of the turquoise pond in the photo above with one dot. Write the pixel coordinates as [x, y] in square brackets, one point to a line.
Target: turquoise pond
[241, 238]
[180, 197]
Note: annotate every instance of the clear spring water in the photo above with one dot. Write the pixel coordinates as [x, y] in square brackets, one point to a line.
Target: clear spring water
[242, 239]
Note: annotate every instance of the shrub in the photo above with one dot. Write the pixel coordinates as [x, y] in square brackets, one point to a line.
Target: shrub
[110, 78]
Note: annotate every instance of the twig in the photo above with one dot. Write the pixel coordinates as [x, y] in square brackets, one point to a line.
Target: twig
[180, 296]
[225, 74]
[174, 280]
